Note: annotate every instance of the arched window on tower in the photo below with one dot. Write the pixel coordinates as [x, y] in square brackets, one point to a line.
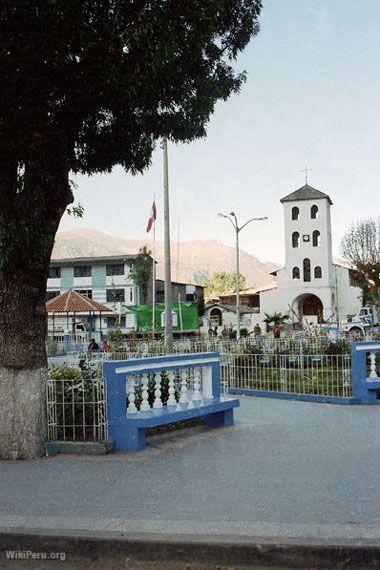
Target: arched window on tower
[316, 238]
[295, 239]
[318, 272]
[295, 213]
[296, 273]
[306, 270]
[314, 212]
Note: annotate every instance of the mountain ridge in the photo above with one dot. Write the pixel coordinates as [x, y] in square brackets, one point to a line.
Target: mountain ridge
[198, 259]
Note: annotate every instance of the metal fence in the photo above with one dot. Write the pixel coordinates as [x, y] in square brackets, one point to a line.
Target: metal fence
[294, 344]
[327, 375]
[76, 409]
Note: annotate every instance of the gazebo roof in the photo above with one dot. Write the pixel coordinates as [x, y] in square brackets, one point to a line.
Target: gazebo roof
[73, 302]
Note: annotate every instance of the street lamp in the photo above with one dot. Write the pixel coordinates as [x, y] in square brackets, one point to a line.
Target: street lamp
[234, 221]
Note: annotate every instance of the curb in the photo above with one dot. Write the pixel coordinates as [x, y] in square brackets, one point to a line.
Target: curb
[207, 549]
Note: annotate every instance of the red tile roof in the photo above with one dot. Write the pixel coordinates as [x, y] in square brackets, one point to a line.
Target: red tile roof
[73, 302]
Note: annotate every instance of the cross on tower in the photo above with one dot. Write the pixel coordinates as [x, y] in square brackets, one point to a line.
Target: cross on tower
[306, 170]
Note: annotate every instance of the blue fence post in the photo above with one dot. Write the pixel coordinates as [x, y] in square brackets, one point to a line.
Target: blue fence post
[359, 376]
[126, 437]
[215, 380]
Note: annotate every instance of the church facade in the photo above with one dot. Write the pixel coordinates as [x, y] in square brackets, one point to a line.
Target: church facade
[311, 288]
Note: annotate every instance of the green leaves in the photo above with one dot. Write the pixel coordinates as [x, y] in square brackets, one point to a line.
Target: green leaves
[142, 270]
[223, 282]
[75, 84]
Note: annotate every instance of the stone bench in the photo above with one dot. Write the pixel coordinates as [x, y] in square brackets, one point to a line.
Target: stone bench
[193, 390]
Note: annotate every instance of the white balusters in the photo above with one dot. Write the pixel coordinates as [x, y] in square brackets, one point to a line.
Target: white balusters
[207, 383]
[131, 409]
[157, 403]
[197, 396]
[145, 407]
[372, 356]
[171, 400]
[184, 399]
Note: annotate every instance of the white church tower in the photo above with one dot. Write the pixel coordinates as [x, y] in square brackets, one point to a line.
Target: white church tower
[306, 285]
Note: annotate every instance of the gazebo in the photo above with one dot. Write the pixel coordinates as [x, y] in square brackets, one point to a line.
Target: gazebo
[73, 305]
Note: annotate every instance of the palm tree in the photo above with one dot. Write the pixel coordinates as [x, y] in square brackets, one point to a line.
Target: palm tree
[278, 321]
[276, 318]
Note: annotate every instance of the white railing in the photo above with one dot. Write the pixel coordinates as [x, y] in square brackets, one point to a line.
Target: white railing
[174, 389]
[76, 409]
[179, 383]
[264, 344]
[327, 375]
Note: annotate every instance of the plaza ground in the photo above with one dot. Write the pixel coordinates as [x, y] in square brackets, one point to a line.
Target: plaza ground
[287, 471]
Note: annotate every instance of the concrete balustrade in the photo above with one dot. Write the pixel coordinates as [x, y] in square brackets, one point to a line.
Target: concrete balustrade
[150, 392]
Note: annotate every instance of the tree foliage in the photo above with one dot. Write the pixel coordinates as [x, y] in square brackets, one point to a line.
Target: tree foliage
[73, 100]
[361, 246]
[223, 282]
[276, 318]
[142, 270]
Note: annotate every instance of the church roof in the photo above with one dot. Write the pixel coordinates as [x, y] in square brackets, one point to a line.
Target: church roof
[306, 192]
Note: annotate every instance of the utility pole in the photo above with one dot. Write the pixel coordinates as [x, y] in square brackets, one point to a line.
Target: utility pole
[234, 221]
[167, 264]
[237, 283]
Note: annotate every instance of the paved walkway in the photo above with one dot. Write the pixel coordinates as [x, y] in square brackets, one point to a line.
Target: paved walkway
[285, 468]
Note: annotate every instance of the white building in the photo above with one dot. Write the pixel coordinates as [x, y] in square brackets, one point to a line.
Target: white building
[311, 288]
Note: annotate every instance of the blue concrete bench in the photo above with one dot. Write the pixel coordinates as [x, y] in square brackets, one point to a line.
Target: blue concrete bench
[193, 390]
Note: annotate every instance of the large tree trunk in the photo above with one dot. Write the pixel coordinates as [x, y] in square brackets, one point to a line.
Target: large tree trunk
[29, 218]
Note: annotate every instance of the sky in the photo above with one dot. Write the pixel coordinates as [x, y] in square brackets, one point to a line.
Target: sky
[311, 99]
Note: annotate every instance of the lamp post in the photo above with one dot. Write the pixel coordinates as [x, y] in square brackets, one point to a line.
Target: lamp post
[234, 221]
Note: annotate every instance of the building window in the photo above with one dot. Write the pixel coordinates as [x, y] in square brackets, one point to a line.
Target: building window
[82, 271]
[316, 238]
[52, 294]
[318, 272]
[295, 239]
[296, 273]
[354, 278]
[314, 212]
[84, 292]
[115, 295]
[116, 269]
[306, 270]
[54, 272]
[295, 213]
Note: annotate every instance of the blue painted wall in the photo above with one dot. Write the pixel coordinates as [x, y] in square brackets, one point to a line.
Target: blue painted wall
[67, 278]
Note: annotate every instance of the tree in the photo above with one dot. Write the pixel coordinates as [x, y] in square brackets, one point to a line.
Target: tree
[223, 282]
[361, 246]
[276, 319]
[142, 270]
[86, 86]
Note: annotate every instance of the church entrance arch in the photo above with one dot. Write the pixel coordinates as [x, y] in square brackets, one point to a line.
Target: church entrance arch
[309, 308]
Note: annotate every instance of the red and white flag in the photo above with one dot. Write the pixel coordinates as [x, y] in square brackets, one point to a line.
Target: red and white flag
[152, 217]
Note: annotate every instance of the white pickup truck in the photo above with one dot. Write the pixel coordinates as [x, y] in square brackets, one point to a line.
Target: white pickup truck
[361, 323]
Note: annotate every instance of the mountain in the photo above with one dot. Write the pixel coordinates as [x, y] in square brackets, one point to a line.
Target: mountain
[197, 259]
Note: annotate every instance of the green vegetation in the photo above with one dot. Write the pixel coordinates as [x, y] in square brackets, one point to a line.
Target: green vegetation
[223, 282]
[142, 270]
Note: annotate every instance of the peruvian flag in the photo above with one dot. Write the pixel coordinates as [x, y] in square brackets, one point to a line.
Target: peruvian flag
[152, 217]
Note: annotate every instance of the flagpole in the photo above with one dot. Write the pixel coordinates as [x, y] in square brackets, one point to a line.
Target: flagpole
[167, 264]
[154, 277]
